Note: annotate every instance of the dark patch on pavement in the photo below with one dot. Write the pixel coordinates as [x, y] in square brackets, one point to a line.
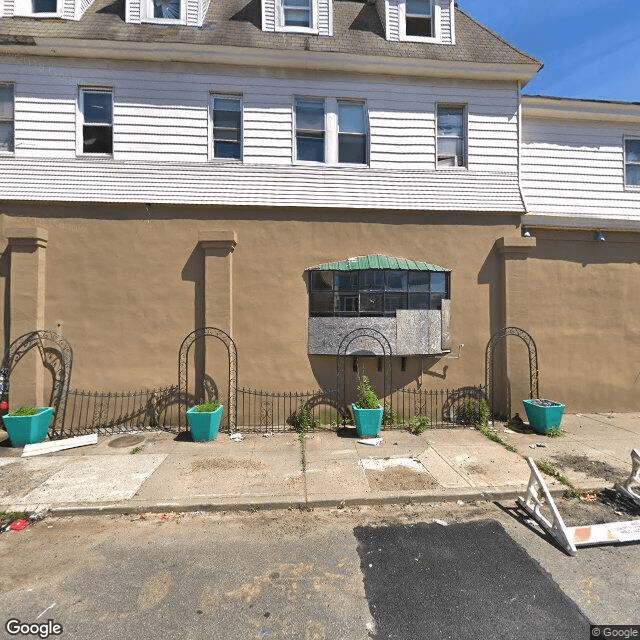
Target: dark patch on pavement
[590, 467]
[126, 441]
[399, 479]
[461, 581]
[619, 502]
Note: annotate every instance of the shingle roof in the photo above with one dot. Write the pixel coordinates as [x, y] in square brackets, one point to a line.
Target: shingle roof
[237, 23]
[376, 262]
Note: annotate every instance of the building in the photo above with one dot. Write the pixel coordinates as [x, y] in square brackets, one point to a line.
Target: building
[167, 165]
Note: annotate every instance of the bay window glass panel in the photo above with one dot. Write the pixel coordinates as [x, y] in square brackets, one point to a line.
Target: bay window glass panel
[322, 280]
[418, 18]
[321, 304]
[44, 6]
[6, 118]
[371, 303]
[418, 282]
[438, 282]
[345, 281]
[166, 9]
[451, 136]
[396, 280]
[97, 129]
[352, 133]
[372, 280]
[632, 160]
[346, 304]
[297, 13]
[393, 302]
[226, 115]
[436, 300]
[310, 130]
[419, 301]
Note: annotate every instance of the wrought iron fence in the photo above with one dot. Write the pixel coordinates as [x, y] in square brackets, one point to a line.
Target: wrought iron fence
[445, 408]
[263, 411]
[109, 412]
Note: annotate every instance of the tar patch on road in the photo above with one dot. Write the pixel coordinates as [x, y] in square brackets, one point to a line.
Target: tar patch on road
[471, 581]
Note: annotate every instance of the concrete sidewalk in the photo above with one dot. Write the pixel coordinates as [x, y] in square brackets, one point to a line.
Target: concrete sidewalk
[156, 471]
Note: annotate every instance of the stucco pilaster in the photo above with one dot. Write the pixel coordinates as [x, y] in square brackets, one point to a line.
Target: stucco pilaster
[218, 247]
[27, 289]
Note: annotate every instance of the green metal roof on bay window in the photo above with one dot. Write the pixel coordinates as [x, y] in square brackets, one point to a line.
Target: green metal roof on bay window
[376, 262]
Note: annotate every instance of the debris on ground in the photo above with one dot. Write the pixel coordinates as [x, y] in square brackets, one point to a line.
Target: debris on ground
[372, 441]
[51, 446]
[236, 437]
[619, 502]
[442, 523]
[540, 444]
[19, 525]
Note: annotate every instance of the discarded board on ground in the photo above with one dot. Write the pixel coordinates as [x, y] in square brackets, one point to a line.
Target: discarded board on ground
[52, 446]
[569, 538]
[631, 486]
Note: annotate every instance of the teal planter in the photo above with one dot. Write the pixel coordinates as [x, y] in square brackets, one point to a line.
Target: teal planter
[204, 425]
[368, 421]
[544, 418]
[28, 429]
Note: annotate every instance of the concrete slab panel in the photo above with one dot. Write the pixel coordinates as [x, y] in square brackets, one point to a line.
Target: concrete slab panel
[487, 465]
[274, 474]
[96, 479]
[336, 479]
[19, 477]
[444, 474]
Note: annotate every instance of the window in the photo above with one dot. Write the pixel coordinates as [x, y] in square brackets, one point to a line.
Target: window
[166, 9]
[352, 133]
[451, 143]
[44, 6]
[226, 122]
[375, 292]
[96, 109]
[632, 162]
[418, 18]
[310, 126]
[297, 13]
[6, 118]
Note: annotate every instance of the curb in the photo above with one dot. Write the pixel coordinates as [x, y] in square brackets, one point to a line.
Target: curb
[70, 509]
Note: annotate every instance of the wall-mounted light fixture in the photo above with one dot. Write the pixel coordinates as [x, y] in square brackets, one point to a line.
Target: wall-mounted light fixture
[525, 233]
[600, 236]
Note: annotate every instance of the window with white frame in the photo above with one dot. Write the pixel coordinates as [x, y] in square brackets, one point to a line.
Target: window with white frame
[418, 19]
[6, 118]
[310, 129]
[632, 162]
[164, 10]
[44, 6]
[96, 113]
[451, 137]
[226, 125]
[296, 13]
[352, 132]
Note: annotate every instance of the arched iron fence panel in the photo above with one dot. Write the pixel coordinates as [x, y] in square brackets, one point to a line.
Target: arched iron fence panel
[57, 356]
[532, 350]
[183, 372]
[345, 343]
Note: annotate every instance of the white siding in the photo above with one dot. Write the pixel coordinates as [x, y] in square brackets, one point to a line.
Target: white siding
[576, 170]
[445, 16]
[233, 184]
[133, 11]
[192, 12]
[161, 116]
[324, 15]
[84, 5]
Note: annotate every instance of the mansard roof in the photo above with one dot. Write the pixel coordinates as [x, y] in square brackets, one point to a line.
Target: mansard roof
[237, 23]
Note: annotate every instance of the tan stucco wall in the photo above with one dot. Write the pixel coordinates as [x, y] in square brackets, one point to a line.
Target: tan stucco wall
[125, 285]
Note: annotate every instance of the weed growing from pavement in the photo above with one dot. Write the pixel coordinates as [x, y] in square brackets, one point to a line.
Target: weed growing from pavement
[305, 422]
[556, 433]
[10, 516]
[550, 470]
[418, 425]
[478, 412]
[135, 450]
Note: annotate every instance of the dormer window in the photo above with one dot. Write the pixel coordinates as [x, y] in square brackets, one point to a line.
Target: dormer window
[418, 18]
[44, 6]
[297, 13]
[172, 11]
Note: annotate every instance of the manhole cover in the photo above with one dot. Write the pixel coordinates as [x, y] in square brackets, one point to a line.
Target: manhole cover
[126, 441]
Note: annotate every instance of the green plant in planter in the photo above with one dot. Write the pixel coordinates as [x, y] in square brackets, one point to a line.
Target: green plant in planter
[25, 411]
[368, 398]
[208, 407]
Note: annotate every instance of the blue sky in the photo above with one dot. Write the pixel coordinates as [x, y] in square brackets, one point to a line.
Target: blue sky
[590, 48]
